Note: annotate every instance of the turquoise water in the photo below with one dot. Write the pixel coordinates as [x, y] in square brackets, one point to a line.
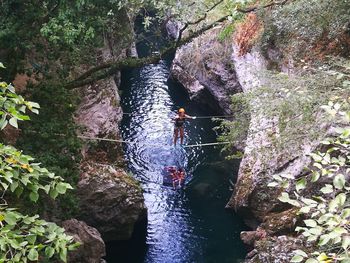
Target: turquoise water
[189, 225]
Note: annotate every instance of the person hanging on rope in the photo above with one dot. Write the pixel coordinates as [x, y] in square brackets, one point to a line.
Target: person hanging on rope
[179, 125]
[177, 177]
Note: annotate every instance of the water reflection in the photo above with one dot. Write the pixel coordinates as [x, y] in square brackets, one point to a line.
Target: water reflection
[184, 226]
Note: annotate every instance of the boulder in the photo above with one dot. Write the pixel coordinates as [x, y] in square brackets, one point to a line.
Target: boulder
[205, 70]
[250, 237]
[281, 223]
[172, 28]
[92, 247]
[275, 249]
[110, 200]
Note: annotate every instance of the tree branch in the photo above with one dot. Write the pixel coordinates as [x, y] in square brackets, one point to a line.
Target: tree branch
[107, 69]
[197, 21]
[254, 8]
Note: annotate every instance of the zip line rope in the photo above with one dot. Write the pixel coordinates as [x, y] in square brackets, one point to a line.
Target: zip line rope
[149, 144]
[197, 117]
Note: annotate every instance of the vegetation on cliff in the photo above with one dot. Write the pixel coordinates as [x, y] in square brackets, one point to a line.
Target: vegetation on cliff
[25, 238]
[305, 45]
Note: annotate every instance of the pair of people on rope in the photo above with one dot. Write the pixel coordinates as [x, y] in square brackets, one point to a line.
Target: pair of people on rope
[177, 176]
[179, 121]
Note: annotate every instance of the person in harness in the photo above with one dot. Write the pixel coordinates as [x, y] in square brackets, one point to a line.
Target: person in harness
[178, 177]
[179, 121]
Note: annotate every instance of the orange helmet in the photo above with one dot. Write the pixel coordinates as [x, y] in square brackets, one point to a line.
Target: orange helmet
[181, 110]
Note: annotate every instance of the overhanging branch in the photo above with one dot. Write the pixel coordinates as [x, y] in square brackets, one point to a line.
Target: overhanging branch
[255, 8]
[107, 69]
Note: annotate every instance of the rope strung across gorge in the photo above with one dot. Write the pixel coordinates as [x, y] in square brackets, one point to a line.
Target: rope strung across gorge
[197, 117]
[150, 144]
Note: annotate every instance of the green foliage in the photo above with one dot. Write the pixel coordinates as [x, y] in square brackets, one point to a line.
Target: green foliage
[226, 32]
[305, 22]
[25, 238]
[59, 151]
[285, 109]
[20, 173]
[13, 106]
[327, 212]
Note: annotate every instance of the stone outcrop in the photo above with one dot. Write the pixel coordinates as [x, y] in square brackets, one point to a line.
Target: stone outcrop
[205, 70]
[172, 28]
[92, 247]
[111, 201]
[274, 249]
[99, 115]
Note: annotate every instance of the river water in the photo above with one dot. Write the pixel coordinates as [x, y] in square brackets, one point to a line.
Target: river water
[189, 225]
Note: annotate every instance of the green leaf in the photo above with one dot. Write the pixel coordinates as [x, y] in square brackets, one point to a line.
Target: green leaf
[339, 181]
[300, 252]
[53, 193]
[13, 186]
[13, 122]
[310, 223]
[33, 254]
[2, 65]
[345, 242]
[11, 218]
[315, 176]
[327, 189]
[324, 239]
[311, 260]
[297, 258]
[301, 184]
[49, 252]
[63, 254]
[284, 198]
[304, 210]
[273, 184]
[34, 196]
[341, 198]
[345, 213]
[61, 188]
[3, 124]
[32, 238]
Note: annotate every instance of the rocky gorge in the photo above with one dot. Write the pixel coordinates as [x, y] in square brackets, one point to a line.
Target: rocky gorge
[110, 199]
[211, 71]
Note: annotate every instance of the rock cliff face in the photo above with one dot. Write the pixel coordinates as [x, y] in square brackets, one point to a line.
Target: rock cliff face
[272, 221]
[204, 68]
[110, 199]
[92, 247]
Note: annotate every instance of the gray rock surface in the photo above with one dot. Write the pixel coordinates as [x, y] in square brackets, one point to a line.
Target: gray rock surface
[204, 68]
[172, 28]
[92, 247]
[111, 201]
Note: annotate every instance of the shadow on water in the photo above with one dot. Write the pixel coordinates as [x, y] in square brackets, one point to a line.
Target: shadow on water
[190, 225]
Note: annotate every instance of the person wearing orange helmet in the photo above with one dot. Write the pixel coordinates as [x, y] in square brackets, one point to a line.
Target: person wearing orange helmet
[179, 125]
